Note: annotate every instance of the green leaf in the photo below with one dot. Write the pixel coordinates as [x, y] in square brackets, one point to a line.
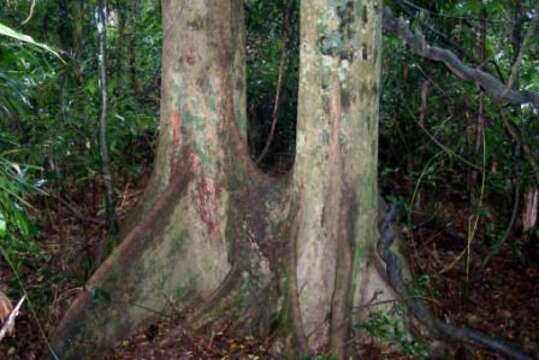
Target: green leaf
[3, 225]
[91, 86]
[7, 31]
[100, 294]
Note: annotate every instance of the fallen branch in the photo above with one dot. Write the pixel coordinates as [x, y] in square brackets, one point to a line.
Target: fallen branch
[494, 88]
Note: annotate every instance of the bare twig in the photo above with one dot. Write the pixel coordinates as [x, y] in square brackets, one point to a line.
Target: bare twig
[440, 35]
[71, 207]
[443, 147]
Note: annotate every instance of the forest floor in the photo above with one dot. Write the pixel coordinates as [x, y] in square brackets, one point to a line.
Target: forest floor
[501, 298]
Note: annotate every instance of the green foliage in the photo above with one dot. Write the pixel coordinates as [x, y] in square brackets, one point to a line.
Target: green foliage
[422, 286]
[387, 327]
[16, 229]
[100, 295]
[49, 109]
[433, 156]
[51, 106]
[7, 31]
[49, 118]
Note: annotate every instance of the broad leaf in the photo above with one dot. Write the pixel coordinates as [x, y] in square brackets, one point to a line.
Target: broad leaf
[7, 31]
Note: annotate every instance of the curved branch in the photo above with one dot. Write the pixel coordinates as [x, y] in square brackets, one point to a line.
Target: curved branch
[420, 310]
[494, 88]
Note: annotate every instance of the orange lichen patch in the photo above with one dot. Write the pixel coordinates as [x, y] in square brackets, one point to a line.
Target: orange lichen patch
[194, 162]
[207, 205]
[176, 127]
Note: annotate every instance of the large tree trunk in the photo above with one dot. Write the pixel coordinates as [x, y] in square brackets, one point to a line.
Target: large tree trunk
[220, 238]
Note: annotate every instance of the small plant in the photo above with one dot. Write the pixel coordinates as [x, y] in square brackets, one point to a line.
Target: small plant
[16, 229]
[422, 286]
[100, 294]
[387, 327]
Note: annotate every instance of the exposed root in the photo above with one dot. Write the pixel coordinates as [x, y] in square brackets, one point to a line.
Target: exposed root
[130, 247]
[341, 300]
[421, 311]
[295, 309]
[223, 298]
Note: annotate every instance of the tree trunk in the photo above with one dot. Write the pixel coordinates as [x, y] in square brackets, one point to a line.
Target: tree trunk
[135, 13]
[293, 254]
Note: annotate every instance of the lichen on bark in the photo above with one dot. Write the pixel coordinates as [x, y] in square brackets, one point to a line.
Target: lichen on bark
[290, 255]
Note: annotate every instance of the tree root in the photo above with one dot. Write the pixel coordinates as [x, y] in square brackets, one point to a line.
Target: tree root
[421, 311]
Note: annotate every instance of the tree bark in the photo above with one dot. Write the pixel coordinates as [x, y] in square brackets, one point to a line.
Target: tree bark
[110, 211]
[335, 173]
[293, 254]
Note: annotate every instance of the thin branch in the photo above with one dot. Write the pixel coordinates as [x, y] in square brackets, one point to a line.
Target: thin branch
[76, 212]
[494, 88]
[101, 19]
[286, 35]
[442, 36]
[442, 146]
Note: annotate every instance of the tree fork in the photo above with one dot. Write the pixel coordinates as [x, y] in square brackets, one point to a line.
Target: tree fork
[291, 252]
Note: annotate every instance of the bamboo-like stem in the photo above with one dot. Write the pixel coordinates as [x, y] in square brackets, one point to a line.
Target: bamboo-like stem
[101, 19]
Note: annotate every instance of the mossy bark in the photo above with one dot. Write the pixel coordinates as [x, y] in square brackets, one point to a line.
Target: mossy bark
[216, 235]
[336, 162]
